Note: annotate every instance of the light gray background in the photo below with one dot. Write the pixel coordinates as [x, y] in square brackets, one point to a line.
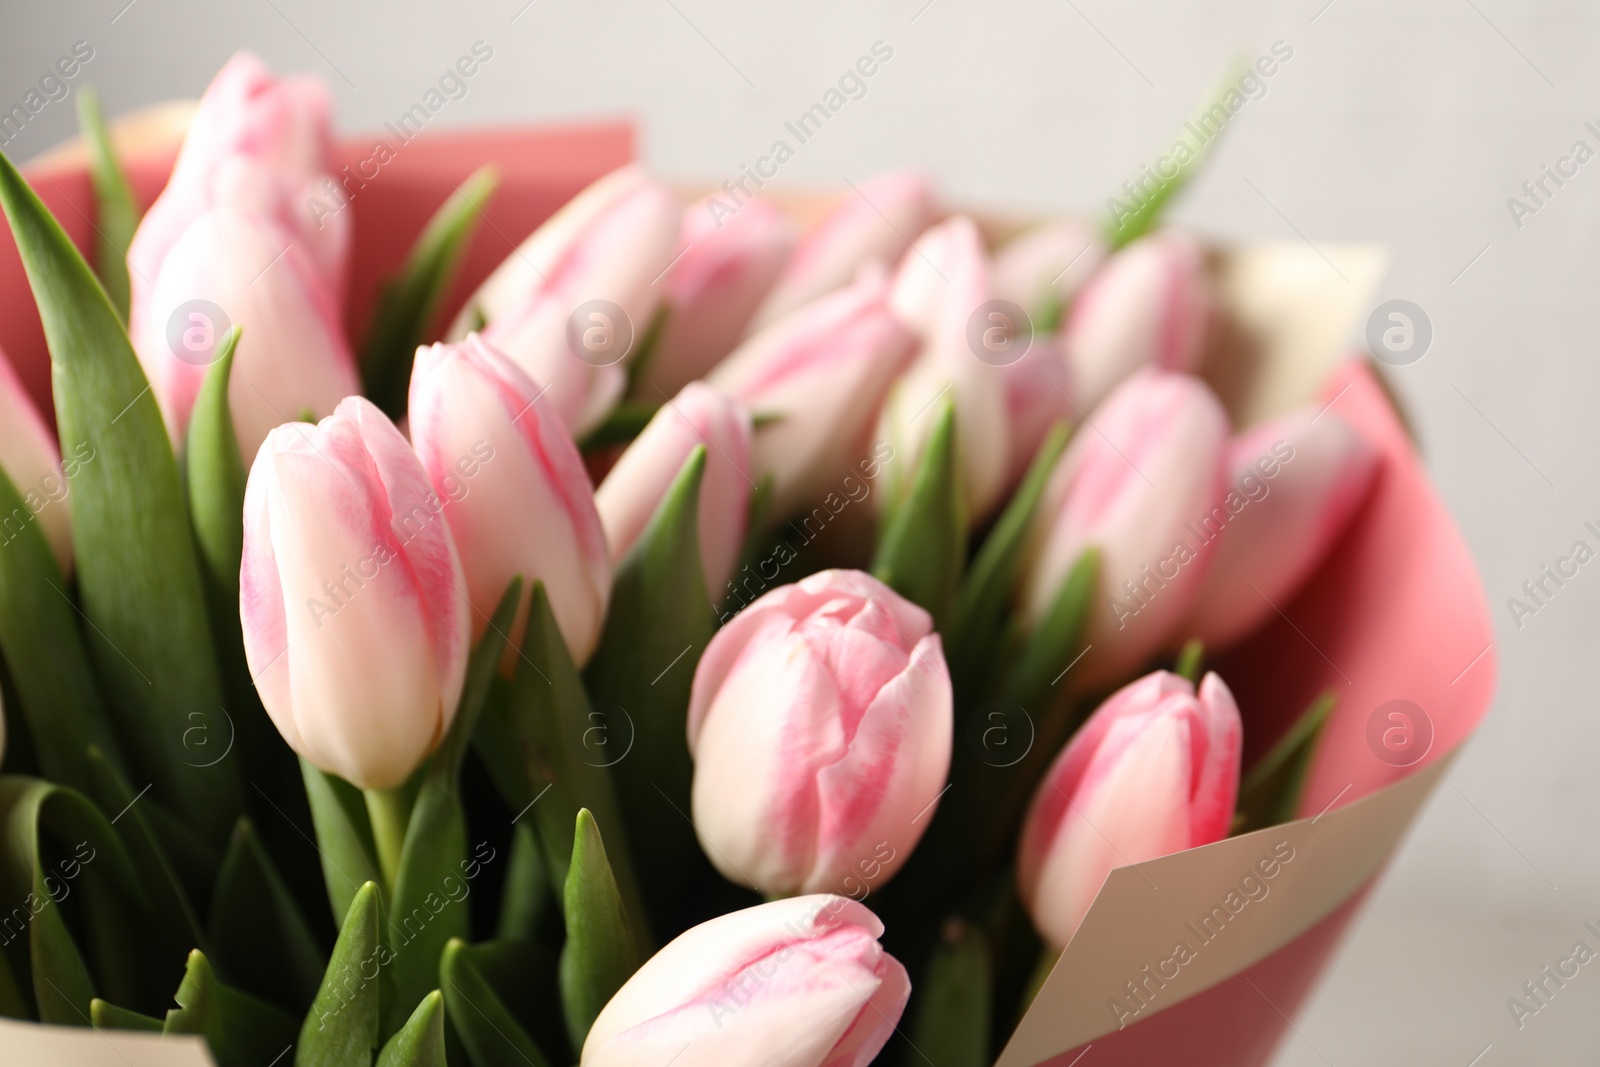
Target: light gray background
[1404, 121]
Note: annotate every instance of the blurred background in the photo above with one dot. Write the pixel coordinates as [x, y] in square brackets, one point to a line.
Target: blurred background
[1394, 121]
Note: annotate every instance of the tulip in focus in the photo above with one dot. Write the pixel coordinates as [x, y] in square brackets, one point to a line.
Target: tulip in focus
[793, 983]
[231, 240]
[1154, 771]
[938, 289]
[577, 297]
[714, 289]
[351, 597]
[640, 479]
[1042, 270]
[1151, 305]
[514, 489]
[29, 457]
[820, 726]
[820, 375]
[874, 223]
[1293, 485]
[1138, 483]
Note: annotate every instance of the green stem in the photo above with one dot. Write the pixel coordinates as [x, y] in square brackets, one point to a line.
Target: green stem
[390, 811]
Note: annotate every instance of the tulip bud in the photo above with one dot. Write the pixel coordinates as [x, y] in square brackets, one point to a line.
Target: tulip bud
[579, 294]
[230, 240]
[1151, 305]
[29, 457]
[820, 375]
[938, 289]
[351, 597]
[726, 270]
[792, 983]
[1138, 482]
[1293, 485]
[875, 222]
[635, 486]
[1154, 771]
[820, 725]
[515, 491]
[1038, 394]
[1042, 269]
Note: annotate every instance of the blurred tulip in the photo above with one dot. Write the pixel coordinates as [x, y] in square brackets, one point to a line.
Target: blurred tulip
[627, 499]
[875, 222]
[1038, 390]
[515, 491]
[1138, 482]
[230, 240]
[793, 983]
[578, 296]
[1154, 771]
[820, 375]
[29, 457]
[1294, 483]
[820, 725]
[1151, 305]
[352, 600]
[714, 289]
[938, 289]
[1042, 269]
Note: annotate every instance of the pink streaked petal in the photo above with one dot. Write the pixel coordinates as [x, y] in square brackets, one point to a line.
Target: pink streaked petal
[877, 1020]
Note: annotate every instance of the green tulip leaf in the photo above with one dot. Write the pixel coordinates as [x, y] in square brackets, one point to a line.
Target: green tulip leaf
[420, 1042]
[116, 213]
[954, 999]
[341, 1029]
[1270, 792]
[259, 940]
[216, 475]
[1191, 660]
[600, 953]
[923, 546]
[241, 1030]
[344, 837]
[492, 1034]
[138, 571]
[408, 303]
[658, 623]
[528, 910]
[104, 1015]
[626, 421]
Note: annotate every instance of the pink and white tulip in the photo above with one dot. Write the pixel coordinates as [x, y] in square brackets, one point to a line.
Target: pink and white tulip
[698, 416]
[515, 491]
[793, 983]
[232, 229]
[937, 290]
[872, 224]
[820, 726]
[1038, 392]
[821, 375]
[1047, 264]
[1137, 483]
[1154, 771]
[29, 457]
[1151, 305]
[612, 242]
[1293, 485]
[726, 269]
[351, 597]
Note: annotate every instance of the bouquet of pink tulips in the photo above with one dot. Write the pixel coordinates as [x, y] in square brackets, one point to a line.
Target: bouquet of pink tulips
[716, 642]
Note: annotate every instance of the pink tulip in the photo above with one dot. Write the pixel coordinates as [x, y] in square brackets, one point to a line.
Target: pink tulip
[698, 416]
[612, 243]
[29, 457]
[351, 596]
[1138, 483]
[1150, 306]
[1294, 484]
[820, 374]
[877, 222]
[1154, 771]
[714, 289]
[792, 983]
[516, 495]
[1047, 264]
[938, 289]
[820, 725]
[1038, 394]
